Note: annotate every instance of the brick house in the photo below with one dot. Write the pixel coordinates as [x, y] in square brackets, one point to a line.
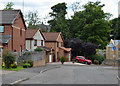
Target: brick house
[12, 30]
[110, 52]
[55, 49]
[34, 39]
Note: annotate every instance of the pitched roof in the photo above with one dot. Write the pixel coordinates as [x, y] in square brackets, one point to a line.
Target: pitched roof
[31, 32]
[51, 36]
[9, 16]
[116, 42]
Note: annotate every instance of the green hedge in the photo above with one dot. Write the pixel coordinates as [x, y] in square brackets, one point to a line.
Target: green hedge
[97, 57]
[38, 49]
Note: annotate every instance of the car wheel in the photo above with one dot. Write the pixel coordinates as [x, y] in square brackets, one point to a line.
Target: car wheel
[77, 61]
[86, 62]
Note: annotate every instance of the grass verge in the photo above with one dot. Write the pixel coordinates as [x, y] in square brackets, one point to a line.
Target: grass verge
[13, 69]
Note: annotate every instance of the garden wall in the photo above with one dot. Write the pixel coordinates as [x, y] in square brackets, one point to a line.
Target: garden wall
[37, 57]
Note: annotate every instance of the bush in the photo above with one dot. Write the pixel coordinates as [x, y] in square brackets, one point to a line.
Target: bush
[14, 65]
[31, 63]
[38, 49]
[3, 64]
[98, 57]
[95, 61]
[62, 59]
[26, 65]
[8, 59]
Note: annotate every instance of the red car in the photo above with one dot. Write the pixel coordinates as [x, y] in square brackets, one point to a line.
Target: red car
[82, 60]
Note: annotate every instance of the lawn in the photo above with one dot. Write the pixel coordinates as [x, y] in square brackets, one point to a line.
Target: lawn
[13, 69]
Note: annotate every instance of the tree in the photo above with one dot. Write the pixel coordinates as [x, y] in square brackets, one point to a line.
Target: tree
[91, 24]
[9, 6]
[58, 22]
[116, 28]
[79, 47]
[32, 20]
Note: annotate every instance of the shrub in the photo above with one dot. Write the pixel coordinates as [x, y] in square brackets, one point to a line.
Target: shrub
[14, 65]
[62, 59]
[95, 61]
[3, 64]
[31, 63]
[26, 65]
[8, 59]
[98, 57]
[38, 49]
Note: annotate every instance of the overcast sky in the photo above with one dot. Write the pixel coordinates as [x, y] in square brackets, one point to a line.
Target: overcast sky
[44, 6]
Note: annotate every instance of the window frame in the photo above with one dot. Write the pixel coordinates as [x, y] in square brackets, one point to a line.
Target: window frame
[35, 42]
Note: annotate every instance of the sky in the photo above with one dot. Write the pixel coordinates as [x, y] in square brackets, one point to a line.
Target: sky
[44, 6]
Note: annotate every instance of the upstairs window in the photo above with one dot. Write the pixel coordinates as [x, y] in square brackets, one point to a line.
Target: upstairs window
[35, 42]
[57, 44]
[1, 29]
[41, 42]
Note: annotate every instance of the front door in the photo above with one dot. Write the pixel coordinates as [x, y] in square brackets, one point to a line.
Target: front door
[69, 57]
[50, 58]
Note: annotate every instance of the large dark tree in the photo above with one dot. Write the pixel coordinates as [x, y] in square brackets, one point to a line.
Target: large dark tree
[82, 48]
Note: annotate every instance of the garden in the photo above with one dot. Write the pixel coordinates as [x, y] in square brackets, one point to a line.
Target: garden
[9, 62]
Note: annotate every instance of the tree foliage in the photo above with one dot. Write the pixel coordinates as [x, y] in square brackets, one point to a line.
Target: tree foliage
[91, 24]
[58, 22]
[32, 20]
[116, 28]
[9, 6]
[79, 47]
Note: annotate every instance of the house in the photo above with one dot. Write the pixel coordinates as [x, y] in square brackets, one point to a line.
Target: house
[54, 42]
[110, 52]
[12, 31]
[34, 39]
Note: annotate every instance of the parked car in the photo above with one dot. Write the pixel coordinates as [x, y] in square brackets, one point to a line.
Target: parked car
[82, 59]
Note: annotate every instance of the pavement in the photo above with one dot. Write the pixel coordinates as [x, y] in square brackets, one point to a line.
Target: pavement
[18, 76]
[67, 63]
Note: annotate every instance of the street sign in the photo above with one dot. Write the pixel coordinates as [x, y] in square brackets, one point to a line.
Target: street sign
[114, 47]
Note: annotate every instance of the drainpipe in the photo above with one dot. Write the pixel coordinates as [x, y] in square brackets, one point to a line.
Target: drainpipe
[12, 37]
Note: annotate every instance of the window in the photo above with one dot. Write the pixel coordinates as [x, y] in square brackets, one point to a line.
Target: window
[41, 42]
[61, 44]
[35, 42]
[57, 44]
[119, 49]
[21, 32]
[1, 29]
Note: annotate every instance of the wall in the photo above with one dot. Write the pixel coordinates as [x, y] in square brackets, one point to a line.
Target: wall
[37, 57]
[18, 39]
[110, 53]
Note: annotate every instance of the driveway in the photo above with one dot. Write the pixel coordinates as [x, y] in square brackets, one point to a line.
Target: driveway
[76, 75]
